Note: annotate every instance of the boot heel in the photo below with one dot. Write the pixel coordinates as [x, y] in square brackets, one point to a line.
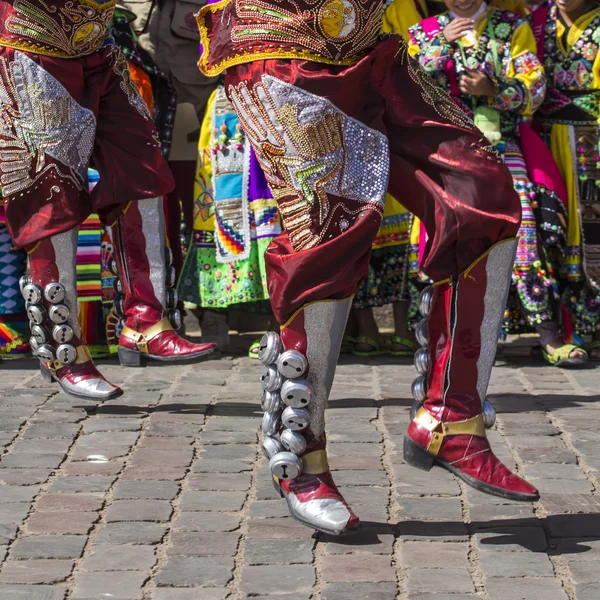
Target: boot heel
[416, 456]
[46, 374]
[131, 358]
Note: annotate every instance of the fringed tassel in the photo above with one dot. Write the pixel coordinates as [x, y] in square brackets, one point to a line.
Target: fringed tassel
[14, 336]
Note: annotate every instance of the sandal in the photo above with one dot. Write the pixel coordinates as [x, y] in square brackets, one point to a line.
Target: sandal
[377, 350]
[594, 347]
[348, 342]
[397, 340]
[561, 357]
[253, 351]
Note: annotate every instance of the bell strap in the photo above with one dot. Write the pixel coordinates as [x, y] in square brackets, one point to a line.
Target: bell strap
[315, 463]
[473, 426]
[141, 339]
[83, 356]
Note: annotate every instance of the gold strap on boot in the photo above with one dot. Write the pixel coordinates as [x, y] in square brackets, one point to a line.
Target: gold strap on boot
[141, 339]
[315, 463]
[473, 426]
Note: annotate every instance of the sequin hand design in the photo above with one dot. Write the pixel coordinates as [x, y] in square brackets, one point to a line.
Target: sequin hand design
[31, 128]
[303, 144]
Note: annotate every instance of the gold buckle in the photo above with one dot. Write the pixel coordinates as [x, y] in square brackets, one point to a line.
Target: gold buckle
[473, 426]
[141, 339]
[315, 463]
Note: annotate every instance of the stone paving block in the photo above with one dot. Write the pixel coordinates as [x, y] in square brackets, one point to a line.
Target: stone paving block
[152, 473]
[115, 424]
[170, 443]
[119, 558]
[212, 501]
[61, 523]
[584, 571]
[521, 515]
[270, 552]
[204, 593]
[195, 572]
[205, 521]
[434, 554]
[33, 592]
[336, 568]
[139, 510]
[439, 580]
[191, 543]
[151, 490]
[506, 539]
[35, 571]
[52, 430]
[412, 481]
[81, 484]
[24, 460]
[13, 493]
[221, 466]
[13, 512]
[220, 482]
[516, 564]
[525, 589]
[114, 585]
[130, 533]
[69, 502]
[7, 533]
[48, 546]
[228, 452]
[436, 530]
[56, 446]
[111, 467]
[437, 509]
[161, 458]
[367, 540]
[23, 476]
[583, 526]
[277, 529]
[269, 508]
[587, 591]
[172, 430]
[228, 437]
[362, 591]
[277, 579]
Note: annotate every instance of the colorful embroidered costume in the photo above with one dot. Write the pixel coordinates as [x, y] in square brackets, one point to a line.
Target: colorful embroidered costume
[504, 48]
[67, 98]
[235, 216]
[570, 118]
[337, 117]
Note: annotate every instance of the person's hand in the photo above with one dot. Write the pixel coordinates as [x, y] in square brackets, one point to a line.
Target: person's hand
[457, 28]
[476, 83]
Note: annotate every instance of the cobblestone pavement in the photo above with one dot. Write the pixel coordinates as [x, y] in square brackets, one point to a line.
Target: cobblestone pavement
[163, 494]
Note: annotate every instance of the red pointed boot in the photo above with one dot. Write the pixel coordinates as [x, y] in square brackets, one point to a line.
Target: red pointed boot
[299, 370]
[147, 301]
[50, 293]
[450, 415]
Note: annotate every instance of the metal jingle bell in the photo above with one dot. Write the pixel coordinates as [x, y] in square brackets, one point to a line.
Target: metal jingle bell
[55, 293]
[33, 345]
[59, 313]
[293, 441]
[62, 333]
[270, 348]
[45, 353]
[422, 360]
[271, 423]
[23, 281]
[114, 267]
[39, 334]
[414, 408]
[271, 446]
[292, 364]
[426, 300]
[66, 354]
[419, 389]
[119, 305]
[171, 277]
[489, 414]
[296, 419]
[172, 298]
[422, 332]
[271, 379]
[36, 314]
[118, 286]
[32, 293]
[296, 392]
[175, 319]
[270, 402]
[285, 466]
[168, 256]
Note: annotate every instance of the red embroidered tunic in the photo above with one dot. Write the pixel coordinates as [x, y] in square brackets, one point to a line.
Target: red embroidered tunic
[63, 28]
[328, 31]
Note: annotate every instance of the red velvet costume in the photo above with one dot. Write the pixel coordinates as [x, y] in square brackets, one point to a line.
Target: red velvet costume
[67, 98]
[332, 113]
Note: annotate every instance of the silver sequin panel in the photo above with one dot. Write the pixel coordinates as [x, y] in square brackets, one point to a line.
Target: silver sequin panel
[498, 271]
[65, 249]
[48, 122]
[324, 323]
[363, 156]
[153, 228]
